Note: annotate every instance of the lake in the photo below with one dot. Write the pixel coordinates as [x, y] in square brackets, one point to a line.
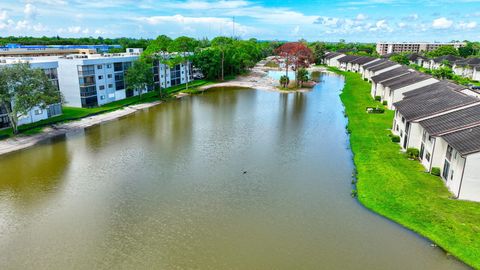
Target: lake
[228, 179]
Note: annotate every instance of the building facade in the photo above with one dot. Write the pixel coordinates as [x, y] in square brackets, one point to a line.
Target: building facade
[413, 47]
[37, 113]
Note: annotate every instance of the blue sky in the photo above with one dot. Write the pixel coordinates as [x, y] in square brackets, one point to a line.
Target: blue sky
[357, 20]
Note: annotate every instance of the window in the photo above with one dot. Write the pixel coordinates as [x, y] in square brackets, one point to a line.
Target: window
[449, 153]
[110, 85]
[109, 65]
[38, 112]
[424, 136]
[427, 157]
[101, 87]
[451, 175]
[100, 77]
[403, 120]
[446, 168]
[109, 76]
[99, 67]
[102, 97]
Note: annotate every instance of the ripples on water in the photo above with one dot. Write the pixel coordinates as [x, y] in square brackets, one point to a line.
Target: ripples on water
[166, 189]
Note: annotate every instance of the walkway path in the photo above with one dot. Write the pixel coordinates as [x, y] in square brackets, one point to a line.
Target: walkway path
[22, 142]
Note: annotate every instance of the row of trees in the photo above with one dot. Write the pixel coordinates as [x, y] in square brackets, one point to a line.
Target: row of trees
[124, 42]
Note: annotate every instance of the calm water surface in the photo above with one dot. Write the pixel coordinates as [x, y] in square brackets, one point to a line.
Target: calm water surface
[166, 189]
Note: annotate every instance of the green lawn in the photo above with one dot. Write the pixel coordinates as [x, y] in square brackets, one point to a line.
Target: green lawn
[397, 188]
[71, 113]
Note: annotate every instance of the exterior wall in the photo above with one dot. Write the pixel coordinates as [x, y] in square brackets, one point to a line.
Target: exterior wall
[470, 185]
[68, 81]
[397, 94]
[476, 75]
[333, 62]
[391, 47]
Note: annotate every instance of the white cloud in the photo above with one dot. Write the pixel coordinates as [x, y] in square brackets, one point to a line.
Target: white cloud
[361, 17]
[442, 23]
[466, 25]
[3, 15]
[30, 11]
[221, 26]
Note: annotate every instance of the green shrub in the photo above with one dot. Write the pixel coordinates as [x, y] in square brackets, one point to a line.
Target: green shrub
[435, 171]
[395, 138]
[378, 98]
[413, 153]
[385, 103]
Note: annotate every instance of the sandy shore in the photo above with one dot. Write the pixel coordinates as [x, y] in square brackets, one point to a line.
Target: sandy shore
[22, 142]
[258, 79]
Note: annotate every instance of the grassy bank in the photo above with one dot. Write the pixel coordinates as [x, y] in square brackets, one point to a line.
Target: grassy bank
[398, 188]
[71, 113]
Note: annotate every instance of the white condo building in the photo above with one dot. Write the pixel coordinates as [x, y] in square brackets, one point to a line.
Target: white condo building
[36, 114]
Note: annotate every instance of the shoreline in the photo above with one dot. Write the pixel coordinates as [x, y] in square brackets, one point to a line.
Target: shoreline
[258, 79]
[18, 143]
[388, 184]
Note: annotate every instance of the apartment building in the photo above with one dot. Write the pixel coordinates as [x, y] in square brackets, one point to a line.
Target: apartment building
[95, 80]
[414, 47]
[17, 50]
[36, 114]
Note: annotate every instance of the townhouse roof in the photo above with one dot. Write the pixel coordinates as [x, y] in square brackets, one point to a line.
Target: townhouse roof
[402, 79]
[348, 58]
[415, 78]
[387, 75]
[452, 121]
[363, 60]
[449, 58]
[468, 62]
[384, 65]
[332, 55]
[432, 103]
[415, 56]
[434, 88]
[465, 141]
[376, 63]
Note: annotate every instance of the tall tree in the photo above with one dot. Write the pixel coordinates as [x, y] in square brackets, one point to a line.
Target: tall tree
[139, 77]
[222, 44]
[443, 50]
[185, 46]
[23, 88]
[296, 53]
[319, 52]
[157, 50]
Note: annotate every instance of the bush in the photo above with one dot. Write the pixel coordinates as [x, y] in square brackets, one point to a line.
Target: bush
[378, 98]
[413, 153]
[395, 138]
[435, 171]
[385, 103]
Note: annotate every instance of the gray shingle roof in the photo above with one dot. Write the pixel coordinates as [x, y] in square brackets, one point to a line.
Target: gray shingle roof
[449, 58]
[376, 63]
[450, 122]
[432, 88]
[332, 55]
[385, 65]
[396, 72]
[363, 60]
[347, 58]
[416, 78]
[431, 103]
[465, 141]
[401, 79]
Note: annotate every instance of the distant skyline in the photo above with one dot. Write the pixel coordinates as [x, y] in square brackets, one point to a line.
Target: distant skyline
[357, 20]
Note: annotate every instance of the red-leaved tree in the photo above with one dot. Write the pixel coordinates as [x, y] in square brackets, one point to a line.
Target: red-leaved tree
[295, 53]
